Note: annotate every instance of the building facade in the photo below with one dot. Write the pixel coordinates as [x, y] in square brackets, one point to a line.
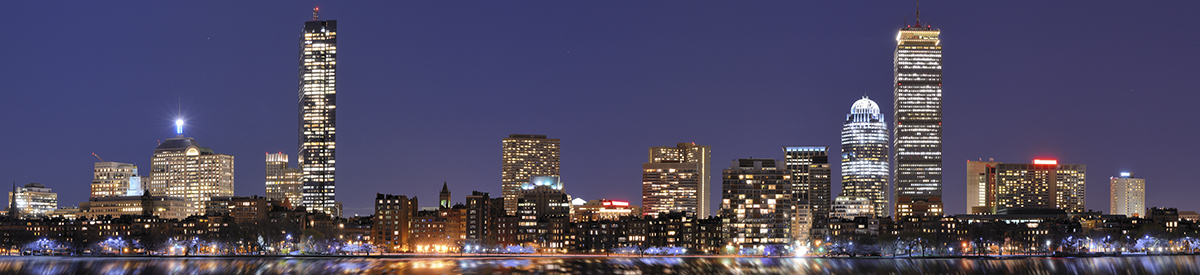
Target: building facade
[865, 155]
[115, 179]
[757, 205]
[283, 183]
[526, 156]
[1128, 195]
[596, 210]
[1042, 184]
[244, 210]
[478, 220]
[683, 154]
[918, 115]
[182, 168]
[393, 220]
[318, 115]
[671, 187]
[166, 208]
[33, 200]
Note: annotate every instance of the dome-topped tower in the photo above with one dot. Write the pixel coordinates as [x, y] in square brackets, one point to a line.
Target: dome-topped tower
[864, 110]
[865, 155]
[864, 106]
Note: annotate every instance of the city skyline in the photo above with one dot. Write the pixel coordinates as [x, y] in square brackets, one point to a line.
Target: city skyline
[601, 151]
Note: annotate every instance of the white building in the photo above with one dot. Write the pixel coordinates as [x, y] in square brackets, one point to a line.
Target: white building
[1128, 196]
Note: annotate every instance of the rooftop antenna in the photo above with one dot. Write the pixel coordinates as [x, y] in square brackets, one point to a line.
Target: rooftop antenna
[315, 9]
[918, 12]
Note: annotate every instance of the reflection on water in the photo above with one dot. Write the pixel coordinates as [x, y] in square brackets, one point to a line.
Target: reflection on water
[588, 265]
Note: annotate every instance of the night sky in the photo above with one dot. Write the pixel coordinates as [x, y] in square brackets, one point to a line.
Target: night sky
[428, 89]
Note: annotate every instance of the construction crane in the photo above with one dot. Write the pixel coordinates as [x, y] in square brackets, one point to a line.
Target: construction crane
[98, 157]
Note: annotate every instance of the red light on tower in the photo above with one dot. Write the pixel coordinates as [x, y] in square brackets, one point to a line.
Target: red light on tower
[1046, 161]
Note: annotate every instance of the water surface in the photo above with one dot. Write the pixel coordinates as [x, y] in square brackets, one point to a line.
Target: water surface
[594, 265]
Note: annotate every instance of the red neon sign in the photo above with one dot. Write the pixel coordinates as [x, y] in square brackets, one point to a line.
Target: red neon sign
[1046, 161]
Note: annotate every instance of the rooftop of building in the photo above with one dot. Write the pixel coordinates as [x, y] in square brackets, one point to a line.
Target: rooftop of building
[181, 143]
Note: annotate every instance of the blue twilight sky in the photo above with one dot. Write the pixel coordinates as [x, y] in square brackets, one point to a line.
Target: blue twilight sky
[427, 89]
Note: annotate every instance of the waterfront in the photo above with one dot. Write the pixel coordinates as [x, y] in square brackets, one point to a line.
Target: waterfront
[1183, 264]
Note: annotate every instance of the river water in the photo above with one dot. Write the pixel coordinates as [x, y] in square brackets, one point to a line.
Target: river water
[594, 265]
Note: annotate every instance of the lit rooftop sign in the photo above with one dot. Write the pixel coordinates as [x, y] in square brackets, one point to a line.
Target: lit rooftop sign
[1046, 161]
[616, 203]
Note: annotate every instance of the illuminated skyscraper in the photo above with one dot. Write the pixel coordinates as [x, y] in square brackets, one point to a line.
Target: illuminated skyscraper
[918, 117]
[182, 168]
[526, 156]
[283, 183]
[111, 179]
[677, 179]
[810, 179]
[1128, 196]
[318, 114]
[865, 155]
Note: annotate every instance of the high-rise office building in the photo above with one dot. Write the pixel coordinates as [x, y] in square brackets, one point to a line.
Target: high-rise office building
[757, 204]
[33, 200]
[111, 179]
[1128, 195]
[811, 179]
[318, 115]
[918, 116]
[677, 179]
[182, 168]
[1042, 184]
[690, 153]
[526, 156]
[865, 155]
[283, 183]
[670, 187]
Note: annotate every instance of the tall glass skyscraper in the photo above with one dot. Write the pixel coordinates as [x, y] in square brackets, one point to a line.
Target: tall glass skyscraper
[865, 155]
[918, 117]
[318, 98]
